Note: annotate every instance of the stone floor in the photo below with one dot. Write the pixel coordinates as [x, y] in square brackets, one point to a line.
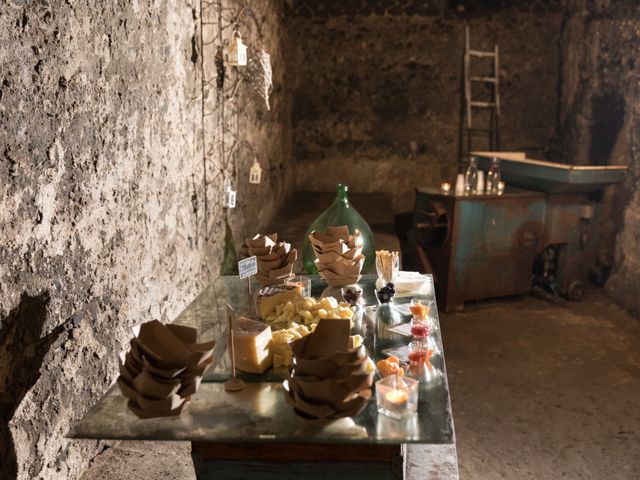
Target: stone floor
[539, 391]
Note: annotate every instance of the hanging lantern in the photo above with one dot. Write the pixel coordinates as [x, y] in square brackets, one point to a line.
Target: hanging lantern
[237, 53]
[255, 173]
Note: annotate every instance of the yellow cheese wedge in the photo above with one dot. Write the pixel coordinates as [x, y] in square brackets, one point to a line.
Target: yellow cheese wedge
[251, 340]
[271, 297]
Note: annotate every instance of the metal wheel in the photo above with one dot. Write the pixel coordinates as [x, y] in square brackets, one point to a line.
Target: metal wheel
[575, 291]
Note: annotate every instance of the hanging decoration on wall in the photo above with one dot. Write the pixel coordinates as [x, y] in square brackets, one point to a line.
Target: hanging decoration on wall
[229, 195]
[255, 173]
[260, 74]
[237, 52]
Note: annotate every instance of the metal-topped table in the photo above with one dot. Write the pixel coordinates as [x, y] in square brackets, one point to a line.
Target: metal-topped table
[215, 420]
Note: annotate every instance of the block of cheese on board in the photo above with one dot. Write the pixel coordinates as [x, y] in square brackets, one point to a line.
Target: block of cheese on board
[251, 340]
[272, 296]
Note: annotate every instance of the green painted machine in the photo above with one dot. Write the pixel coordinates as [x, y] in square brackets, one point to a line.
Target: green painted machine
[484, 246]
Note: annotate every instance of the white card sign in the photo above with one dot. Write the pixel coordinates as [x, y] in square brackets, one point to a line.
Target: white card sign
[248, 267]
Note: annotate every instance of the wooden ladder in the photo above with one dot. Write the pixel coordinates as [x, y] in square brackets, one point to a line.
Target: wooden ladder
[492, 129]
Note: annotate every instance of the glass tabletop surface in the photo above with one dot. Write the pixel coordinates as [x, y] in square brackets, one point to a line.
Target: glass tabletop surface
[260, 412]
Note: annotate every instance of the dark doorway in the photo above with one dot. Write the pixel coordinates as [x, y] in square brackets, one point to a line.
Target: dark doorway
[608, 119]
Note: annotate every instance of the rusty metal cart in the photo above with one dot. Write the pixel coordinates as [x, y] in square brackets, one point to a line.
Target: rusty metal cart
[483, 246]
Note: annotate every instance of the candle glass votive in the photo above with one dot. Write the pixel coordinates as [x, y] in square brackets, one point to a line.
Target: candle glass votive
[397, 396]
[304, 282]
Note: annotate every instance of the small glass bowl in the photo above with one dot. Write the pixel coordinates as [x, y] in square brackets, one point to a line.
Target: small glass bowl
[420, 327]
[419, 309]
[419, 352]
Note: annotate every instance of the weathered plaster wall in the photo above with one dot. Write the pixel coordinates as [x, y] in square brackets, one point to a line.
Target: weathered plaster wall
[378, 92]
[103, 190]
[600, 73]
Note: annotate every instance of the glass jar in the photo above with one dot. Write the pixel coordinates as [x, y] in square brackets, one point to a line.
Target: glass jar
[420, 328]
[471, 176]
[493, 177]
[341, 213]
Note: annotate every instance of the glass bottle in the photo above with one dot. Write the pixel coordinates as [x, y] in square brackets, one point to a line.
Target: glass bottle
[493, 177]
[471, 177]
[341, 213]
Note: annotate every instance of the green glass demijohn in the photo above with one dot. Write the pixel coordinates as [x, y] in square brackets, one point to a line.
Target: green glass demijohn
[341, 213]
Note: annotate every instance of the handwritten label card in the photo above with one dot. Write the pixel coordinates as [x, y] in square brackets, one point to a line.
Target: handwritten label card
[248, 267]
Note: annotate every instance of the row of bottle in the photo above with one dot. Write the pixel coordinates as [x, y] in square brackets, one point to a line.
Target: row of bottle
[473, 182]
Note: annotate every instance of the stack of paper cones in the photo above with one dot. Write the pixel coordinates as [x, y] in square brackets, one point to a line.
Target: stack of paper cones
[339, 257]
[275, 259]
[328, 379]
[163, 368]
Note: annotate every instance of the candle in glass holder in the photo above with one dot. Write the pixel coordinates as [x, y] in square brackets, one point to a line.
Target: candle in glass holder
[304, 282]
[397, 396]
[446, 187]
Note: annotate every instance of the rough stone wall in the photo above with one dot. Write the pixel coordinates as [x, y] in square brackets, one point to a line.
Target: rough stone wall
[599, 119]
[103, 190]
[378, 94]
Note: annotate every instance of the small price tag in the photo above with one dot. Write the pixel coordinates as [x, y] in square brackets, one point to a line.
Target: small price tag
[248, 267]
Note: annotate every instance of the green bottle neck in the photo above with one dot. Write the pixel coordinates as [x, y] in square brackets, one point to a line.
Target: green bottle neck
[342, 194]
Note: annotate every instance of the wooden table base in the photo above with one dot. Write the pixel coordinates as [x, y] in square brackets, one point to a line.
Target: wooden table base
[290, 461]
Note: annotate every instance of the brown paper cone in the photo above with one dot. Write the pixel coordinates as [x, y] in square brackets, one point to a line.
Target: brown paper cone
[341, 232]
[166, 373]
[126, 388]
[352, 407]
[188, 335]
[191, 387]
[155, 388]
[266, 266]
[261, 241]
[158, 406]
[324, 391]
[143, 413]
[157, 341]
[312, 409]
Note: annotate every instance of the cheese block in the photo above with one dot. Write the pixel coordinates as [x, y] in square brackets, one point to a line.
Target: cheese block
[272, 296]
[251, 340]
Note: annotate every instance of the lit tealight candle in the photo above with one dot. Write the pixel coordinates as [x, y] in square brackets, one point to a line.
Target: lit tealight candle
[397, 398]
[501, 186]
[446, 187]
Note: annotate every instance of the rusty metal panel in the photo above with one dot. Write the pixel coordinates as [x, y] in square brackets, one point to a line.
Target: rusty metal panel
[562, 224]
[492, 245]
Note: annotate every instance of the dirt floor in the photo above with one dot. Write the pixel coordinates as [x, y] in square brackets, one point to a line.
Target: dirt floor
[539, 391]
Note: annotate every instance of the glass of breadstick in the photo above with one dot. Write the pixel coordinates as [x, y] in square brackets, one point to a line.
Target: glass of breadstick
[387, 265]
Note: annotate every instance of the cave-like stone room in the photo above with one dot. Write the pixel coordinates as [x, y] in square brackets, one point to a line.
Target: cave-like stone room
[313, 239]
